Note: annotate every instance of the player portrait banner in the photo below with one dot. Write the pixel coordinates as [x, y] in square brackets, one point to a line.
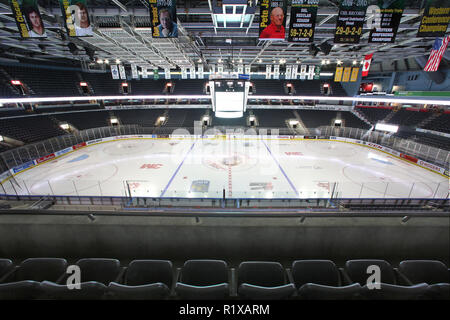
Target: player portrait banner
[288, 73]
[391, 13]
[350, 21]
[28, 18]
[247, 69]
[115, 72]
[192, 72]
[346, 75]
[122, 73]
[276, 71]
[354, 75]
[338, 74]
[303, 20]
[272, 20]
[76, 18]
[163, 15]
[435, 19]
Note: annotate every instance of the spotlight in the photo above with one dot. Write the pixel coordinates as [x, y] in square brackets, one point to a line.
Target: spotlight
[354, 62]
[106, 61]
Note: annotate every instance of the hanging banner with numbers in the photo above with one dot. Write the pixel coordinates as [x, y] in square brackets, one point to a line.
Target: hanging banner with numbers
[276, 72]
[240, 69]
[354, 75]
[155, 74]
[338, 74]
[272, 20]
[347, 72]
[389, 23]
[303, 71]
[28, 18]
[220, 69]
[288, 74]
[294, 71]
[350, 21]
[163, 15]
[200, 72]
[192, 72]
[167, 73]
[268, 71]
[134, 73]
[435, 19]
[183, 73]
[76, 18]
[311, 72]
[144, 73]
[303, 20]
[247, 70]
[122, 72]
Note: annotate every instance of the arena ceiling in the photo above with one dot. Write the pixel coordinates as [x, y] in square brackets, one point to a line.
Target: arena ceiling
[122, 32]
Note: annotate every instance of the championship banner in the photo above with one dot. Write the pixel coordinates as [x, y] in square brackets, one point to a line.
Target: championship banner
[303, 20]
[354, 76]
[192, 72]
[134, 73]
[247, 69]
[435, 19]
[144, 73]
[163, 15]
[303, 71]
[276, 72]
[240, 69]
[220, 69]
[155, 74]
[272, 20]
[347, 72]
[294, 71]
[338, 74]
[28, 18]
[122, 72]
[350, 21]
[391, 13]
[317, 73]
[311, 72]
[268, 71]
[76, 18]
[115, 72]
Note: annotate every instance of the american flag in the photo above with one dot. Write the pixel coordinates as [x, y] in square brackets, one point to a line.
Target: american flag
[434, 60]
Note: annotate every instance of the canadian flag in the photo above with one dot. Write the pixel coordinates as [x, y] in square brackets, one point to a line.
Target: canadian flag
[366, 65]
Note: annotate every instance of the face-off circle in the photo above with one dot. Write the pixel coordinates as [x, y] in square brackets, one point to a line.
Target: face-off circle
[237, 161]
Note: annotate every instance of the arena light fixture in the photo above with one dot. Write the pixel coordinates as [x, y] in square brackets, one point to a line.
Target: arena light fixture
[117, 61]
[252, 118]
[16, 82]
[205, 118]
[99, 61]
[293, 122]
[323, 61]
[106, 61]
[124, 84]
[384, 99]
[386, 127]
[114, 120]
[83, 84]
[354, 62]
[64, 126]
[1, 138]
[162, 119]
[337, 121]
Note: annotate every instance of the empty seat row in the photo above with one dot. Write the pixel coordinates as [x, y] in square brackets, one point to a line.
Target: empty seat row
[53, 278]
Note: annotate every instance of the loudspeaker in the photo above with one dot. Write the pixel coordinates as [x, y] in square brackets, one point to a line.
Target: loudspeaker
[313, 50]
[325, 47]
[90, 52]
[73, 48]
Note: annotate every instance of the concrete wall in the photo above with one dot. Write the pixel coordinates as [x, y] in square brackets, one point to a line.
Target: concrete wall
[229, 238]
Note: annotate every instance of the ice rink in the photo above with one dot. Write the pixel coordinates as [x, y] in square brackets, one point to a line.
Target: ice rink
[244, 168]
